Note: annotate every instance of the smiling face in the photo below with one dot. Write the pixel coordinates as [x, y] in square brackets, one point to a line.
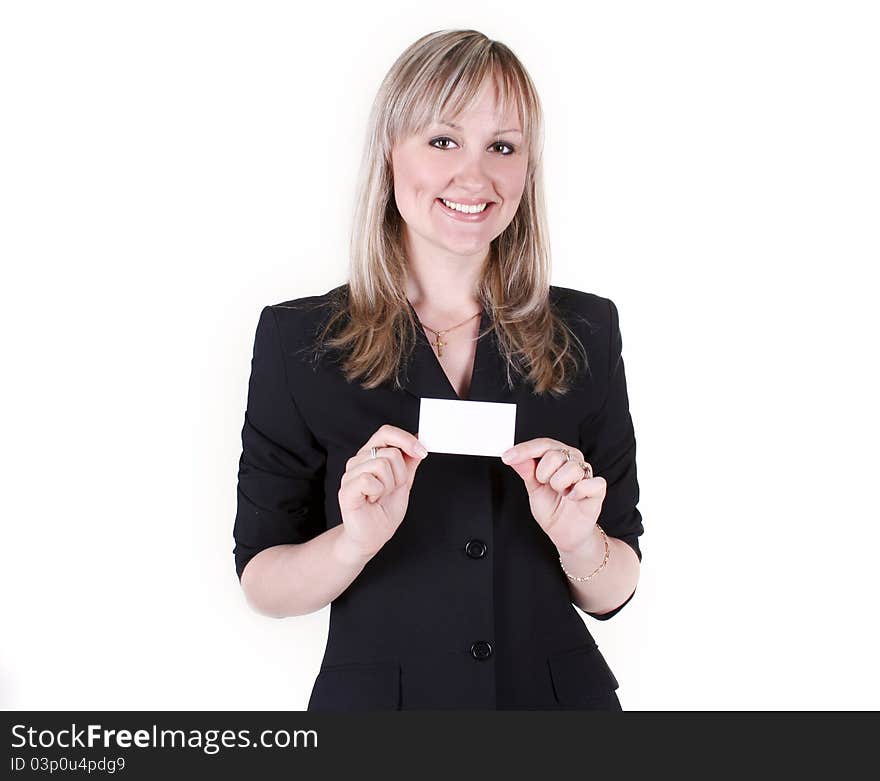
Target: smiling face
[469, 163]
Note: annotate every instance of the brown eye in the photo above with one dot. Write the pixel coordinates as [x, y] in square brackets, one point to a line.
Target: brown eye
[446, 139]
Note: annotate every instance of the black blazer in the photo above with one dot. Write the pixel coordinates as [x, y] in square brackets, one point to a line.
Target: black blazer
[466, 606]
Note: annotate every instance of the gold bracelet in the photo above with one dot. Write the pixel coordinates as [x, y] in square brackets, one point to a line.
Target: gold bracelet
[598, 569]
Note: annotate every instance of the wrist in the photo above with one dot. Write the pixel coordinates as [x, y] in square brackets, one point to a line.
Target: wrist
[588, 556]
[347, 552]
[593, 543]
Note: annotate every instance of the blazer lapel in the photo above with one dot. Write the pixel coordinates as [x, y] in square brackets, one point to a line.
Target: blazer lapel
[423, 375]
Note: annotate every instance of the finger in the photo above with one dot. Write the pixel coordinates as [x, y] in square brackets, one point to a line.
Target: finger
[395, 459]
[353, 488]
[591, 488]
[536, 448]
[567, 474]
[392, 436]
[378, 467]
[551, 463]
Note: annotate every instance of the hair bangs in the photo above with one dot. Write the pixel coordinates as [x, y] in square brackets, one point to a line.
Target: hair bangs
[443, 91]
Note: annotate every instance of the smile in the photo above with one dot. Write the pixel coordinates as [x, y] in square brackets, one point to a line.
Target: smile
[465, 213]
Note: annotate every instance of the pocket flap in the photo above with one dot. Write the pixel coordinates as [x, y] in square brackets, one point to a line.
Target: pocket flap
[357, 687]
[581, 675]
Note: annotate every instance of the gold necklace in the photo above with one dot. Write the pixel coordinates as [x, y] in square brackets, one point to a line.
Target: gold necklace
[439, 343]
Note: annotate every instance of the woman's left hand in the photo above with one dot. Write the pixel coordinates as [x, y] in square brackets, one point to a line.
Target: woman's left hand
[563, 502]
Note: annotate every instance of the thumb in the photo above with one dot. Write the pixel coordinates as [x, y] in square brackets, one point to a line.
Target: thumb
[412, 463]
[526, 470]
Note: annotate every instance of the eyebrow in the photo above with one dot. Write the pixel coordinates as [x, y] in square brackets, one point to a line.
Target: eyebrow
[458, 127]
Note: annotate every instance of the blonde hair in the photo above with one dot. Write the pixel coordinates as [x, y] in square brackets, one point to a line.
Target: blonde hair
[439, 75]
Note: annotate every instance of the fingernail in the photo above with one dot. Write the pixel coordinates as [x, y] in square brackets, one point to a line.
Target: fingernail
[421, 450]
[507, 455]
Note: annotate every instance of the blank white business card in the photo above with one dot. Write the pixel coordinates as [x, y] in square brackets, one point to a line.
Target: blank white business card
[475, 428]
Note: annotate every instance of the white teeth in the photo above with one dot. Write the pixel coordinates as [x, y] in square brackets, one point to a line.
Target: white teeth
[466, 209]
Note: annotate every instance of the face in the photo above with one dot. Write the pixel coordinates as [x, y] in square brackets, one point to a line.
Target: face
[469, 164]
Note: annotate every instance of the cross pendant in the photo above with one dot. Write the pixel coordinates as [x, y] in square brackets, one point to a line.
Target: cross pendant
[439, 345]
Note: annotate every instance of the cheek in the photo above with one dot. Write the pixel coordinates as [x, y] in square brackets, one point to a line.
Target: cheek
[419, 178]
[430, 173]
[512, 194]
[514, 183]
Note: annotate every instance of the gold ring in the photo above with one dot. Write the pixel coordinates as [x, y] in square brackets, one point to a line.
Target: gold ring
[588, 470]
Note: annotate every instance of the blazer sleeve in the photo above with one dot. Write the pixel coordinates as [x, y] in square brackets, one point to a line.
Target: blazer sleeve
[282, 466]
[608, 443]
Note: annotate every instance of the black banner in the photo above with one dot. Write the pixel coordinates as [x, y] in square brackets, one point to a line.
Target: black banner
[264, 745]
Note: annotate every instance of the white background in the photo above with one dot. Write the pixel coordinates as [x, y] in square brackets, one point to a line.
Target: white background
[169, 168]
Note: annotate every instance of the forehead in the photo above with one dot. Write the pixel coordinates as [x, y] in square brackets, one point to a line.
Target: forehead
[488, 121]
[484, 108]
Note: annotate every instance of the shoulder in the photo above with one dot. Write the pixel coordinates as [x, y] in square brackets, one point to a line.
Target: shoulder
[594, 321]
[307, 306]
[303, 317]
[589, 314]
[296, 323]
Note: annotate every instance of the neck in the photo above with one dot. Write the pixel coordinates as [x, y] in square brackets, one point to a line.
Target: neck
[442, 296]
[444, 287]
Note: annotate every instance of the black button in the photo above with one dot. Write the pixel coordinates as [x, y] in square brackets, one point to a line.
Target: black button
[476, 549]
[481, 650]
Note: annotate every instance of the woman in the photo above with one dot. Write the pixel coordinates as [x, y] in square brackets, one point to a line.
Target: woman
[452, 578]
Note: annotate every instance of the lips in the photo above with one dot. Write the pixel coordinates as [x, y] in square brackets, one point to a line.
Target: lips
[467, 201]
[465, 216]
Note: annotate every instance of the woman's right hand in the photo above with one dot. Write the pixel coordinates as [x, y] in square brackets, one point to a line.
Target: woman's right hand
[374, 492]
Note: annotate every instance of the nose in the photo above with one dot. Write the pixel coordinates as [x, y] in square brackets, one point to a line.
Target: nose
[472, 178]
